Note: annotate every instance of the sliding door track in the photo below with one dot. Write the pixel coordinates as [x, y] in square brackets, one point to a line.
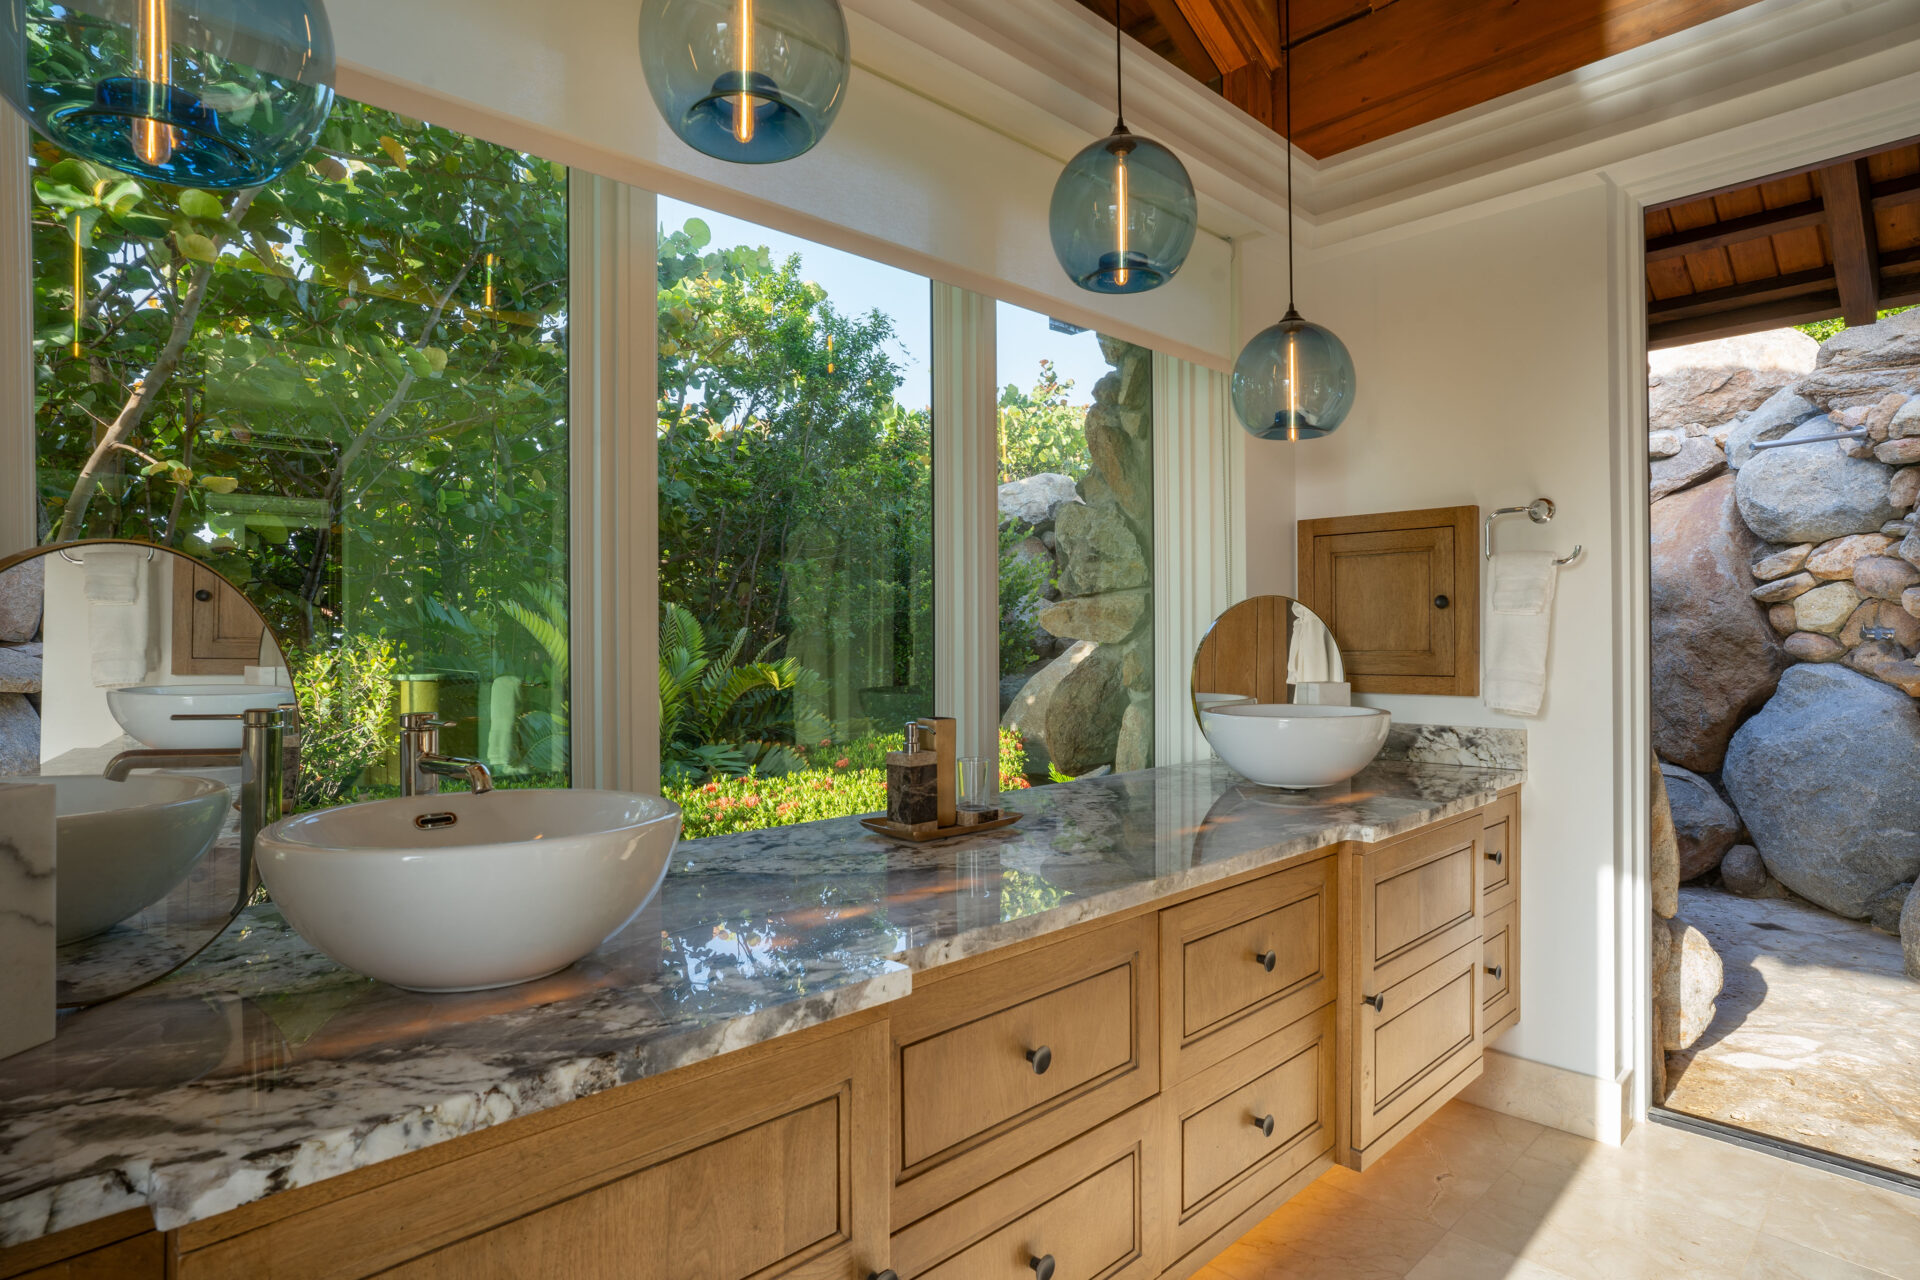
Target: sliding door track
[1798, 1152]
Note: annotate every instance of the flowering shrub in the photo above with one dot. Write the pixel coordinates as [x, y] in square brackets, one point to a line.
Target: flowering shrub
[840, 779]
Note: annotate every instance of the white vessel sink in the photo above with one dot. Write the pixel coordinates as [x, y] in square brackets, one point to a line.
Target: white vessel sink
[1296, 747]
[463, 892]
[120, 847]
[147, 711]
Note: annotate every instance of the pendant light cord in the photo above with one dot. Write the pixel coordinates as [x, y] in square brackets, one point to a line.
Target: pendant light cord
[1286, 56]
[1119, 80]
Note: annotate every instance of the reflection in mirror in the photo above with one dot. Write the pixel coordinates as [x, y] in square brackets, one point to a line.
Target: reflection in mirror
[1259, 650]
[125, 670]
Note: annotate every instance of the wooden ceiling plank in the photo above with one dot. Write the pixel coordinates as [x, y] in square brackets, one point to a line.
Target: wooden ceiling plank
[1752, 260]
[1733, 231]
[1897, 191]
[1186, 41]
[1217, 33]
[1847, 192]
[1801, 250]
[1258, 25]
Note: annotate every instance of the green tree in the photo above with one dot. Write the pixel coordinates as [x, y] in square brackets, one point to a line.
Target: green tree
[1042, 430]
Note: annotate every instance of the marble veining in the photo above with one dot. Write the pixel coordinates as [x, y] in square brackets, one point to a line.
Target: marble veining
[1472, 746]
[26, 916]
[262, 1066]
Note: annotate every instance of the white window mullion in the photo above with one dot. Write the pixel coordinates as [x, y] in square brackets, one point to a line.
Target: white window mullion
[966, 513]
[17, 497]
[614, 500]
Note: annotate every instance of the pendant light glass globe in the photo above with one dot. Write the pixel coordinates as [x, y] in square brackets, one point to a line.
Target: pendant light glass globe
[751, 81]
[1123, 215]
[1293, 381]
[198, 93]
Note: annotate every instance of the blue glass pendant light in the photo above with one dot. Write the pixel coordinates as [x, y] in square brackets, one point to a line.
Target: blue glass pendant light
[1123, 212]
[1293, 380]
[198, 93]
[751, 81]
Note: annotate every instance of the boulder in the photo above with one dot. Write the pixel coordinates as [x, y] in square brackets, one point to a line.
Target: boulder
[1910, 934]
[1888, 665]
[21, 590]
[1825, 778]
[1883, 913]
[1710, 382]
[1098, 550]
[1027, 715]
[1010, 687]
[1036, 500]
[19, 735]
[1780, 414]
[1785, 589]
[1107, 389]
[1890, 348]
[1715, 656]
[1884, 577]
[1906, 419]
[1136, 664]
[1122, 461]
[1780, 564]
[1704, 825]
[1134, 749]
[1664, 862]
[20, 666]
[1106, 619]
[1664, 444]
[1812, 492]
[1805, 646]
[1835, 559]
[1880, 613]
[1904, 489]
[1698, 459]
[1826, 609]
[1083, 716]
[1690, 980]
[1903, 452]
[1780, 618]
[1744, 872]
[1879, 418]
[1132, 365]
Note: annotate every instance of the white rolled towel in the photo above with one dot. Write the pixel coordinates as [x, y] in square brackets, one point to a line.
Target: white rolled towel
[1519, 629]
[119, 616]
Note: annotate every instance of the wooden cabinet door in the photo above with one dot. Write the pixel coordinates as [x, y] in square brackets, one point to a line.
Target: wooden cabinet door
[215, 631]
[1401, 594]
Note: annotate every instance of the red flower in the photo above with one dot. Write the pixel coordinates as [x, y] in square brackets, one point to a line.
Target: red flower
[842, 763]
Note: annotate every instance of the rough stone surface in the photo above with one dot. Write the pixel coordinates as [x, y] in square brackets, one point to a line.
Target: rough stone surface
[1715, 657]
[1910, 933]
[1698, 459]
[1134, 749]
[1812, 492]
[1782, 412]
[1879, 613]
[1027, 716]
[1884, 577]
[1835, 559]
[1903, 452]
[1779, 564]
[19, 735]
[1107, 619]
[20, 668]
[1744, 872]
[1083, 716]
[1784, 589]
[1664, 862]
[1824, 777]
[21, 589]
[1904, 489]
[1780, 618]
[1099, 552]
[1122, 461]
[1826, 609]
[1888, 665]
[1703, 824]
[1691, 979]
[1906, 419]
[1883, 913]
[1036, 500]
[1805, 646]
[1709, 382]
[1664, 444]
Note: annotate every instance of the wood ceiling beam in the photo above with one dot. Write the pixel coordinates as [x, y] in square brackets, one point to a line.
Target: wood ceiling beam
[1897, 191]
[1847, 190]
[1739, 296]
[1211, 27]
[1754, 319]
[1186, 41]
[1718, 235]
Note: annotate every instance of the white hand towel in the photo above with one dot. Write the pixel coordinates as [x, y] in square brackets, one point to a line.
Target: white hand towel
[119, 631]
[1312, 656]
[1519, 628]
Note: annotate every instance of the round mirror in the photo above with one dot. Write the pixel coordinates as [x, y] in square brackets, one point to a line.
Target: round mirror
[134, 682]
[1258, 650]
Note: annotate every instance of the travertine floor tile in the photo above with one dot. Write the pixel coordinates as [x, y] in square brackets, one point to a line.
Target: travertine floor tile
[1458, 1258]
[1777, 1259]
[1442, 1167]
[1876, 1229]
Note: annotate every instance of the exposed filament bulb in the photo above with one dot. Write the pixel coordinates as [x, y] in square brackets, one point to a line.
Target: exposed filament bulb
[1293, 388]
[743, 112]
[1122, 275]
[152, 140]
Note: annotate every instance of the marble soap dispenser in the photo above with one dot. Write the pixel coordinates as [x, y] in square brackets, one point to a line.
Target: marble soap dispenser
[26, 924]
[913, 783]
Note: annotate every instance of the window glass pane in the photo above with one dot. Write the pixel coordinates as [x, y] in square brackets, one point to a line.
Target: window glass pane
[796, 528]
[348, 391]
[1076, 545]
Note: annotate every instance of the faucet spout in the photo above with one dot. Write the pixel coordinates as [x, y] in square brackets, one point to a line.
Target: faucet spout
[478, 776]
[422, 766]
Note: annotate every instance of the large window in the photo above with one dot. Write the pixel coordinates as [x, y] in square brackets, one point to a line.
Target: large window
[796, 531]
[348, 390]
[1076, 545]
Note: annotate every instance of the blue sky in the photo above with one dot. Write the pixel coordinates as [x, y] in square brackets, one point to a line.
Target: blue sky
[857, 285]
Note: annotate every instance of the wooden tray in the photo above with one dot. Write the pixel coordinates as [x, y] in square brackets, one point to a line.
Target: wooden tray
[883, 827]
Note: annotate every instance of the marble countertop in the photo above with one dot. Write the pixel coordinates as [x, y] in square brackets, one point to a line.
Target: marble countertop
[263, 1066]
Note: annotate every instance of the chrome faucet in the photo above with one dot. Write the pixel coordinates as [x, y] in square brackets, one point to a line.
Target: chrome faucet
[421, 764]
[267, 736]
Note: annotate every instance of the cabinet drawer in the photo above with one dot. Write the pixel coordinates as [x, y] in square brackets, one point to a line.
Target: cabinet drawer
[1087, 1205]
[1419, 900]
[1227, 1159]
[1499, 976]
[1221, 996]
[1500, 851]
[1425, 1032]
[995, 1065]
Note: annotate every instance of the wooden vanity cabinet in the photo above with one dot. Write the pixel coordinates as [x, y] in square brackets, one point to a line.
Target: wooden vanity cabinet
[1500, 967]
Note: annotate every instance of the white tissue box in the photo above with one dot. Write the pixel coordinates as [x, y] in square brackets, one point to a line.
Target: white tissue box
[1323, 693]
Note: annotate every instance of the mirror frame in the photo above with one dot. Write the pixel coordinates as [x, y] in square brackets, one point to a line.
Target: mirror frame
[1213, 637]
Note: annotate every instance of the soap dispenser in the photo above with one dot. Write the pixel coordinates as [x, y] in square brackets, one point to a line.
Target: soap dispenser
[913, 783]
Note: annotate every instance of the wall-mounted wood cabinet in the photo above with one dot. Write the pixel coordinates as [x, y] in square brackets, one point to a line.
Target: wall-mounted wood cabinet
[1401, 593]
[215, 631]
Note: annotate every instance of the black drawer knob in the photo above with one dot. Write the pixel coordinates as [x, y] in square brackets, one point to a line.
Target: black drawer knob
[1378, 1002]
[1041, 1058]
[1495, 970]
[1266, 960]
[1496, 857]
[1441, 602]
[203, 595]
[1042, 1266]
[1264, 1124]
